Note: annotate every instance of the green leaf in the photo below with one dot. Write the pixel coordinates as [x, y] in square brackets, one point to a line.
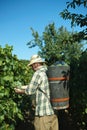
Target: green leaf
[8, 78]
[86, 110]
[1, 118]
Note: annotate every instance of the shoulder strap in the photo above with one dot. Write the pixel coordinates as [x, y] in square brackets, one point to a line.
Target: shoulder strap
[42, 92]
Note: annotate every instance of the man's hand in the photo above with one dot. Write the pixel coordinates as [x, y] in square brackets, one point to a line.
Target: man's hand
[19, 91]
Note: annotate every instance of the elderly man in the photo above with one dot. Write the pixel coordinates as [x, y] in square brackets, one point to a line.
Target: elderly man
[45, 119]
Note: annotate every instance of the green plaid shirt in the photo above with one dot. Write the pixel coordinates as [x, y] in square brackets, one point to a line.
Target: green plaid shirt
[40, 80]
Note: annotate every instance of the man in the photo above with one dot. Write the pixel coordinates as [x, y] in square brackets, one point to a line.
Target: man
[45, 119]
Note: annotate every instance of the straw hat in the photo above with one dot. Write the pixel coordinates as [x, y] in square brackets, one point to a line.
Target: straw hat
[35, 59]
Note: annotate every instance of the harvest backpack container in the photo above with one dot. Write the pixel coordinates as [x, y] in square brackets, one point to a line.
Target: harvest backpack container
[58, 76]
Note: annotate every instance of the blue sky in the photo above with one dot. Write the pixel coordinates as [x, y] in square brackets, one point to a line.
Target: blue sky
[17, 16]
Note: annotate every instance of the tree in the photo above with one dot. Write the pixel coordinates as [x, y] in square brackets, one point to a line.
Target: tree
[56, 44]
[76, 19]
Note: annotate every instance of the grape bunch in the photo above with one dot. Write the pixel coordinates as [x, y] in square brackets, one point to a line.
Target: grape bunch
[17, 84]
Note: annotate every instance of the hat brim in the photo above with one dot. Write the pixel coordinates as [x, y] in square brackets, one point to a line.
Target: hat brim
[36, 61]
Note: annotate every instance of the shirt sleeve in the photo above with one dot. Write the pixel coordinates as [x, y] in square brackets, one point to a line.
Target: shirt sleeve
[32, 87]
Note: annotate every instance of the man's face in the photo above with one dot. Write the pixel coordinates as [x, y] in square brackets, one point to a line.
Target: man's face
[35, 66]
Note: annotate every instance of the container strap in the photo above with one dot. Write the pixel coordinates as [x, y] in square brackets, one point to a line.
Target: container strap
[59, 78]
[60, 99]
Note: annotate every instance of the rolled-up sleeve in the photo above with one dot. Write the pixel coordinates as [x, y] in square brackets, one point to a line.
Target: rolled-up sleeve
[32, 87]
